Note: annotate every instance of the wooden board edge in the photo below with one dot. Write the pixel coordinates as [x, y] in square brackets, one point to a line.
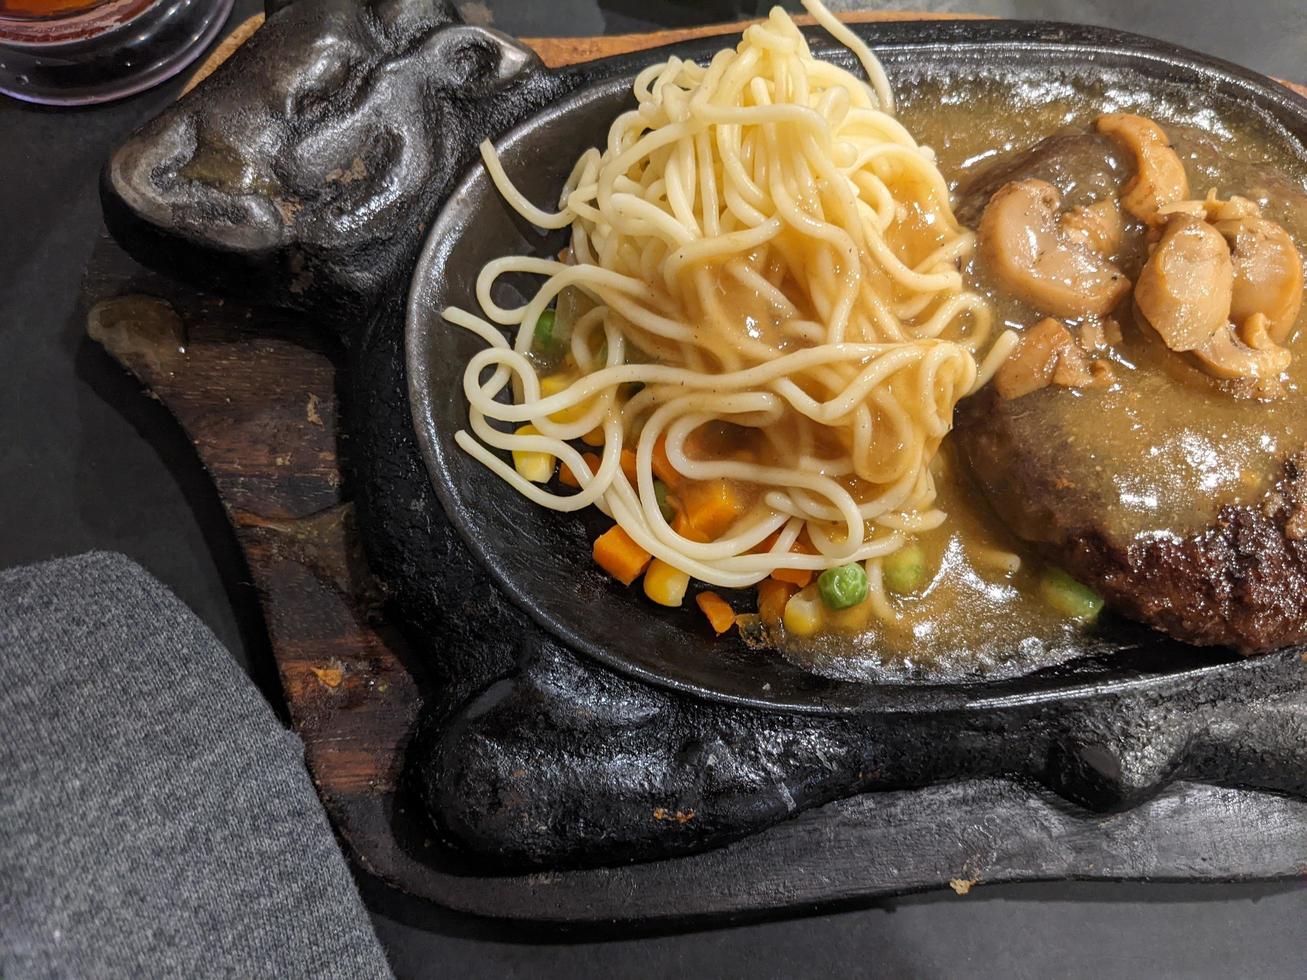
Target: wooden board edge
[558, 52]
[225, 49]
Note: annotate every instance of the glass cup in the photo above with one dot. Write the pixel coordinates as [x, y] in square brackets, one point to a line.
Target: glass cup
[78, 52]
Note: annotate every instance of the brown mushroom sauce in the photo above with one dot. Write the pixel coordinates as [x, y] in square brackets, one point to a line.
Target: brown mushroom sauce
[1182, 447]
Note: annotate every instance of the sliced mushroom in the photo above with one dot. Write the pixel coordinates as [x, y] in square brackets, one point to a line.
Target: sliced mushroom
[1211, 208]
[1184, 290]
[1048, 354]
[1096, 335]
[1246, 358]
[1159, 178]
[1190, 208]
[1229, 210]
[1255, 332]
[1023, 243]
[1074, 370]
[1186, 293]
[1267, 273]
[1097, 225]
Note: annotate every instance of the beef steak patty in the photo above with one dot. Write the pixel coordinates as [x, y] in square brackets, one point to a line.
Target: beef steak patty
[1240, 581]
[1238, 578]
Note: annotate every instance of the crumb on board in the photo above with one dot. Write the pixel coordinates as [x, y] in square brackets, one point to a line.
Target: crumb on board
[963, 885]
[329, 676]
[680, 816]
[311, 410]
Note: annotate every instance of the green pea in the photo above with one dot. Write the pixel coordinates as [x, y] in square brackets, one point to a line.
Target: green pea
[661, 494]
[1069, 597]
[544, 332]
[905, 570]
[843, 587]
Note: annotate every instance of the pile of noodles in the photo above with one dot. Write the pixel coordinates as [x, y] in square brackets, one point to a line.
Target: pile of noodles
[760, 242]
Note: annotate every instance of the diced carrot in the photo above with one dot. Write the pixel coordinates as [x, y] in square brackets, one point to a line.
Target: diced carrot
[711, 506]
[568, 479]
[795, 576]
[720, 615]
[595, 437]
[619, 556]
[662, 466]
[802, 544]
[772, 596]
[628, 464]
[682, 526]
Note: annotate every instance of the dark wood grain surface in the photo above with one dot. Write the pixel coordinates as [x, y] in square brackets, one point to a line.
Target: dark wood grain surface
[255, 391]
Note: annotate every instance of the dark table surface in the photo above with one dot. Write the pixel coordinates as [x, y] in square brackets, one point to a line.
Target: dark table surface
[86, 463]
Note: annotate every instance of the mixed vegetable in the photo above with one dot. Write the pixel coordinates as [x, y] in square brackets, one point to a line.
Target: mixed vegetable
[798, 601]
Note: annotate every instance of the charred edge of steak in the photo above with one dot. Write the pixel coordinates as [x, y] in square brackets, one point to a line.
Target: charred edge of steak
[1240, 582]
[1057, 159]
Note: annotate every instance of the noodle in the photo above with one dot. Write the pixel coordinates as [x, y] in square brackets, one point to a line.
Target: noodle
[762, 251]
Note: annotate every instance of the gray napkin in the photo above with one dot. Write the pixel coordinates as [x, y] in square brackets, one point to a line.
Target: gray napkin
[155, 817]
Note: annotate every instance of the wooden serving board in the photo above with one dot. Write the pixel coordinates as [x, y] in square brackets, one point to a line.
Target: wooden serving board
[255, 391]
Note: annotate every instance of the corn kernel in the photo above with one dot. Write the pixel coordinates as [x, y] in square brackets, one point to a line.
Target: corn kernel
[804, 613]
[552, 385]
[665, 584]
[854, 619]
[536, 467]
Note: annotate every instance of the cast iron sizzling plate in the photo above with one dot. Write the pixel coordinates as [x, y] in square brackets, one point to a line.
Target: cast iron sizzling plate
[304, 175]
[542, 560]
